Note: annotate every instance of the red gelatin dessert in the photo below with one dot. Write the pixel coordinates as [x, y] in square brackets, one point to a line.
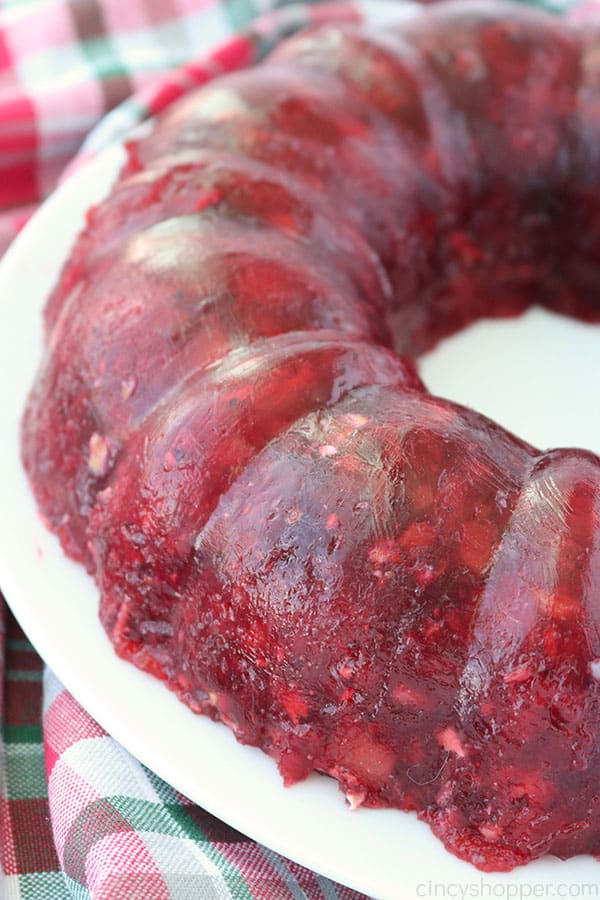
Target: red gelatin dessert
[228, 428]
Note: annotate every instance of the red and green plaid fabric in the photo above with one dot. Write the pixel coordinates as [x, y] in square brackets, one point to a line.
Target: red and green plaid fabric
[84, 819]
[79, 816]
[64, 64]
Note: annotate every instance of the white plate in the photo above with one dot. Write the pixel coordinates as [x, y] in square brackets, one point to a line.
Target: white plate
[387, 854]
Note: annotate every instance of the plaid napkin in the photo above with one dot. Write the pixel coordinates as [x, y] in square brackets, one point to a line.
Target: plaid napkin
[79, 816]
[94, 822]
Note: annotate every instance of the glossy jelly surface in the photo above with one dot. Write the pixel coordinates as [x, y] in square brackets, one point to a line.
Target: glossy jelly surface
[229, 431]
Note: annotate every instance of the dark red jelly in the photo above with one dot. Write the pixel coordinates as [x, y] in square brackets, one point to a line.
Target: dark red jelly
[358, 577]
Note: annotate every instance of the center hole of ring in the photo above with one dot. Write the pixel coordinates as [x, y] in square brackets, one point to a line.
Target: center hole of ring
[537, 375]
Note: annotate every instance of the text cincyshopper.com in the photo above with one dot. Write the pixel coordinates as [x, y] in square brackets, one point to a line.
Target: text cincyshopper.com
[506, 890]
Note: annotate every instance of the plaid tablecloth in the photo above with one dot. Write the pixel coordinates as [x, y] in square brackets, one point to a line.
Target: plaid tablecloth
[80, 817]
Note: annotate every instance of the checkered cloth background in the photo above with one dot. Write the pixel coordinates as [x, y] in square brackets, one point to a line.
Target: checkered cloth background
[79, 817]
